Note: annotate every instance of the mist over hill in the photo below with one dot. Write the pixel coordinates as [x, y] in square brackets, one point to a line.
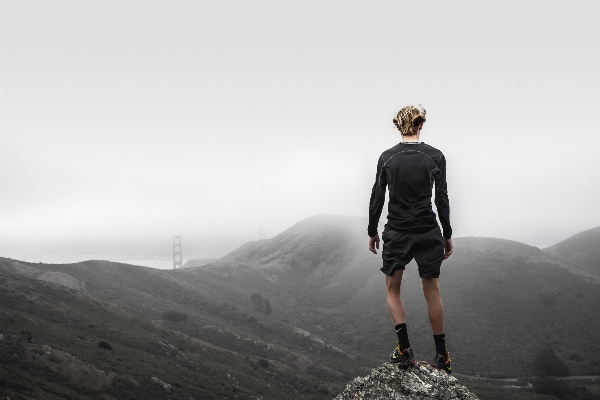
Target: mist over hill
[152, 250]
[208, 331]
[504, 300]
[581, 249]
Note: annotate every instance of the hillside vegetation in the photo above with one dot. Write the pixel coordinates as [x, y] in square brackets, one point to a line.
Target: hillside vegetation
[505, 301]
[207, 332]
[141, 333]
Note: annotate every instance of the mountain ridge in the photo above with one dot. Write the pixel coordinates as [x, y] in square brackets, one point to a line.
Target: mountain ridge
[483, 274]
[581, 249]
[328, 324]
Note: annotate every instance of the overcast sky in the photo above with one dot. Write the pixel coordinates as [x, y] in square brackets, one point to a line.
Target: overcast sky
[221, 118]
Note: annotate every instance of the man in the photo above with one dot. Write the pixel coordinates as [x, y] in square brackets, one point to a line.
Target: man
[410, 170]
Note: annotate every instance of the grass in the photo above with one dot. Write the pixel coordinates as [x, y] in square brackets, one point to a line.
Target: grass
[498, 391]
[195, 328]
[140, 348]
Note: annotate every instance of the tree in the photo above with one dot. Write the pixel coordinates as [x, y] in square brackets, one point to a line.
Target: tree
[257, 300]
[267, 306]
[105, 345]
[547, 363]
[174, 316]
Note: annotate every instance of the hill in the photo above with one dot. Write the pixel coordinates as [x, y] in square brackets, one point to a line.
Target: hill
[582, 249]
[295, 316]
[505, 301]
[163, 338]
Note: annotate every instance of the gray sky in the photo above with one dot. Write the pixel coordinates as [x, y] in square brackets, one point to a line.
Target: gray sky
[129, 119]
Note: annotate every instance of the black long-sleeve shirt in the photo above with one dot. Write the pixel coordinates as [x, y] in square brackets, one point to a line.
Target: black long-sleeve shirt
[410, 170]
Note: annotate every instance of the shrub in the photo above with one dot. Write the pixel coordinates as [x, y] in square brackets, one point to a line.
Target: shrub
[261, 304]
[546, 386]
[267, 306]
[105, 345]
[257, 301]
[547, 363]
[174, 316]
[54, 359]
[575, 357]
[562, 389]
[263, 363]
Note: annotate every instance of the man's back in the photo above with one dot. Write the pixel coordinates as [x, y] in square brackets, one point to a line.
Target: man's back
[410, 170]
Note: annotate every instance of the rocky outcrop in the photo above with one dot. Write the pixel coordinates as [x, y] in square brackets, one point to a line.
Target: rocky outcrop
[421, 381]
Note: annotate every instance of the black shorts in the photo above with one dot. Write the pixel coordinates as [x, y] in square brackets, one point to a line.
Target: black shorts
[400, 248]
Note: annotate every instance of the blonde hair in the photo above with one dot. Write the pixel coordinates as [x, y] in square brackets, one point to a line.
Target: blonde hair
[408, 119]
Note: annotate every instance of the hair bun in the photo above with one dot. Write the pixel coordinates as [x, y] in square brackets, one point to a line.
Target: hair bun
[407, 119]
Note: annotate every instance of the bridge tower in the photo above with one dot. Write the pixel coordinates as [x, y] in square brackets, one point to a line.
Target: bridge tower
[177, 254]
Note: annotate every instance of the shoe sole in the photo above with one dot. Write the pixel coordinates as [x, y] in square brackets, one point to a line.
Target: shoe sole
[441, 368]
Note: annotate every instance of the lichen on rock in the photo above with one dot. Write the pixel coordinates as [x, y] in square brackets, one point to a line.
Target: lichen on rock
[420, 381]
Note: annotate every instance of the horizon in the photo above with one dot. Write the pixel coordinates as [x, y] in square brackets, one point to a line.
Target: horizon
[131, 122]
[138, 253]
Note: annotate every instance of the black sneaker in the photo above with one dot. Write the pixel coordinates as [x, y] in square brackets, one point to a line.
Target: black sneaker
[441, 362]
[404, 359]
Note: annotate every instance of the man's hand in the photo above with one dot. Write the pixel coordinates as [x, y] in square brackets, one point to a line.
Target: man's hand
[373, 244]
[448, 248]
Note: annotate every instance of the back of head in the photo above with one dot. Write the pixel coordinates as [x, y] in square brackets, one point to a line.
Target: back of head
[408, 119]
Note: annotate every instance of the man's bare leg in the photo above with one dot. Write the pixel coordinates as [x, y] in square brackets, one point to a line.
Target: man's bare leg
[402, 354]
[392, 291]
[435, 308]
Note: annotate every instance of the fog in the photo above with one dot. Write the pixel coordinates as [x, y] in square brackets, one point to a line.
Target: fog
[130, 122]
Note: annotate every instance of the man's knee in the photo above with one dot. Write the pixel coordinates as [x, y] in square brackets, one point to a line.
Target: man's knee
[392, 284]
[392, 287]
[431, 288]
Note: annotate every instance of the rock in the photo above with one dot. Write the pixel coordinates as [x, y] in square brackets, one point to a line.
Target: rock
[166, 386]
[420, 381]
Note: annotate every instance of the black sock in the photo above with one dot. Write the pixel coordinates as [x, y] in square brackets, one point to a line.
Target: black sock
[440, 344]
[402, 336]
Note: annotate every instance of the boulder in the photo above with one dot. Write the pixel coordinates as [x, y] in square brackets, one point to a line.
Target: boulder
[421, 381]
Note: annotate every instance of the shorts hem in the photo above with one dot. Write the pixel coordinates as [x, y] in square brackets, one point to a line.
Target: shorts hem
[430, 276]
[431, 271]
[390, 272]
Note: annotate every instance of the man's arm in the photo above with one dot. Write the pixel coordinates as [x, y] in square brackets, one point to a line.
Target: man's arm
[376, 205]
[374, 244]
[448, 248]
[441, 199]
